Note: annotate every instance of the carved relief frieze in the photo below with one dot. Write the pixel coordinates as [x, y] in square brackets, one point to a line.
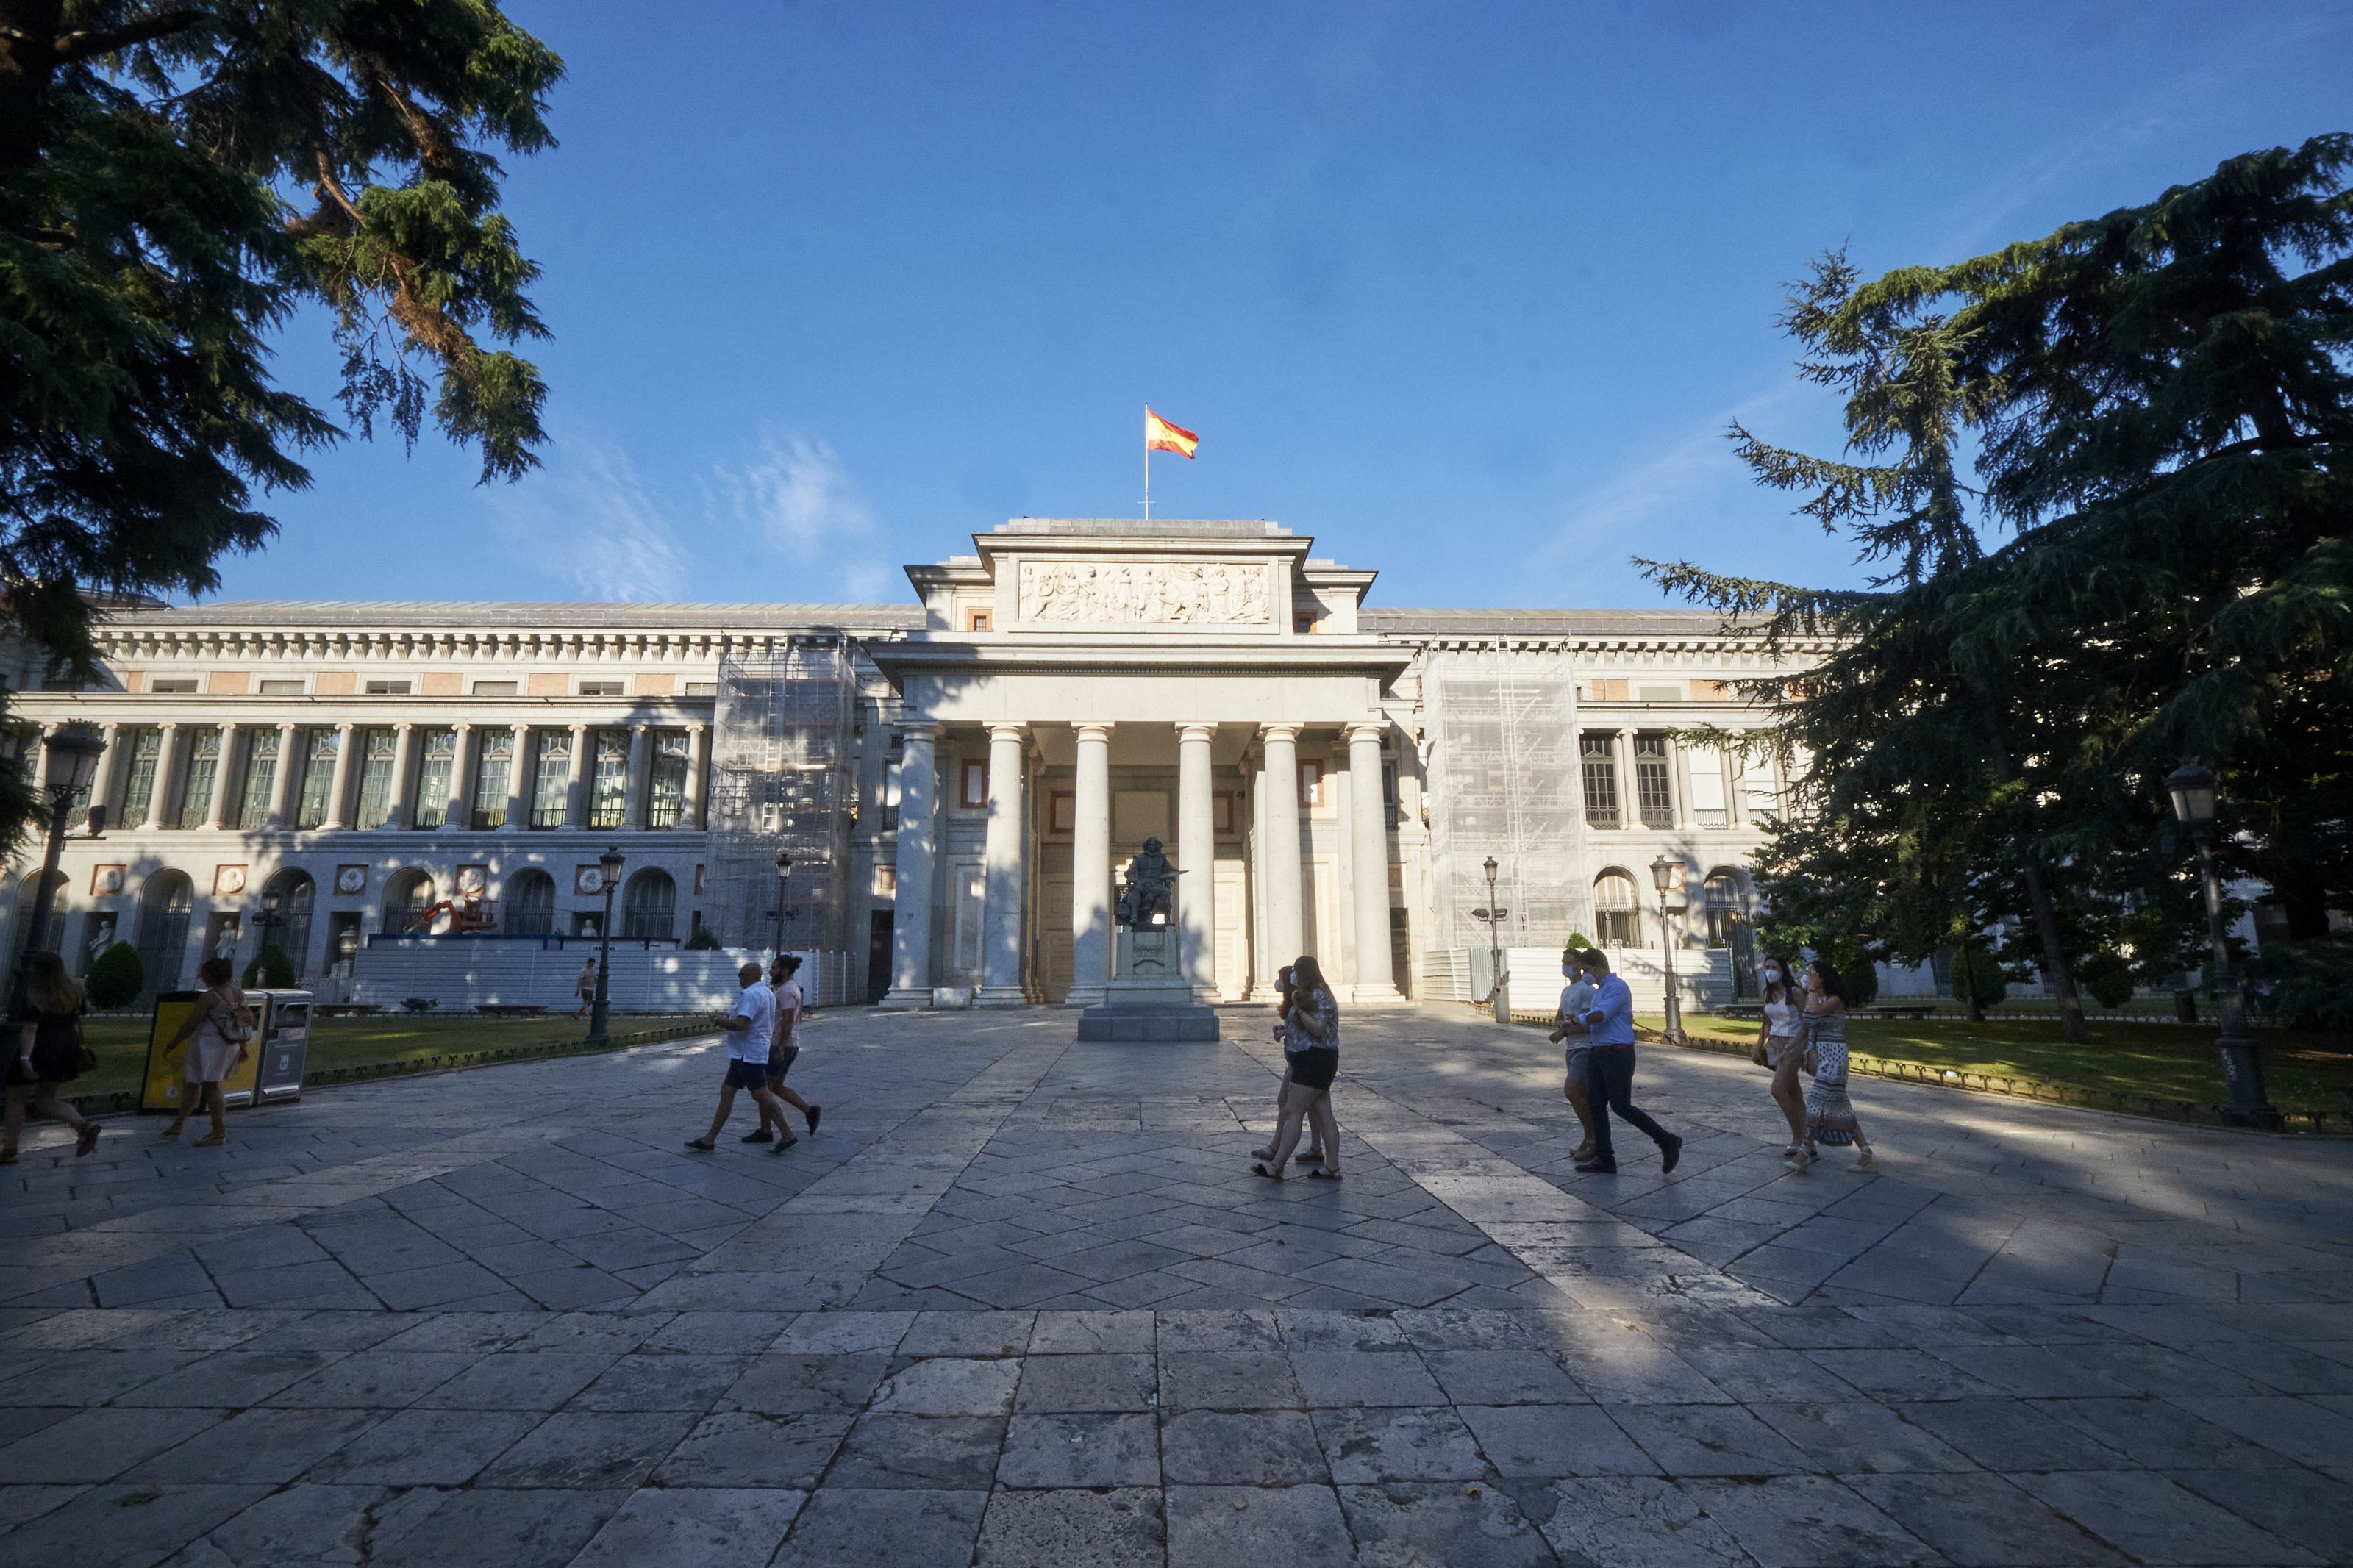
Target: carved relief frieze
[1170, 593]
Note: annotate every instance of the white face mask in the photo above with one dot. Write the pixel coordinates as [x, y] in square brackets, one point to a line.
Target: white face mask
[1772, 977]
[1568, 971]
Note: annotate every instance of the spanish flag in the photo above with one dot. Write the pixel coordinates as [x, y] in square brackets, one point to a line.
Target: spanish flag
[1159, 436]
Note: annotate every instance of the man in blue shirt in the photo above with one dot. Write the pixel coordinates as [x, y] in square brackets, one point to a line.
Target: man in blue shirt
[1610, 1024]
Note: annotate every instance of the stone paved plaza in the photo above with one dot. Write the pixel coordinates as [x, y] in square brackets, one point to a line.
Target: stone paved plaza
[1020, 1302]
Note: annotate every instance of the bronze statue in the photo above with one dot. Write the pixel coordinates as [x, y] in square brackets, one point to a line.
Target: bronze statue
[1151, 887]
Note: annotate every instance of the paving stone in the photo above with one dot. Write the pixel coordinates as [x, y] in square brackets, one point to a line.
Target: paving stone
[1636, 1521]
[588, 1449]
[1227, 1380]
[968, 1334]
[487, 1528]
[1462, 1526]
[2156, 1434]
[1328, 1378]
[1117, 1528]
[1268, 1448]
[2313, 1511]
[949, 1386]
[427, 1448]
[1544, 1440]
[2298, 1429]
[1708, 1440]
[1854, 1437]
[1521, 1377]
[1097, 1382]
[947, 1453]
[1079, 1450]
[648, 1380]
[91, 1445]
[310, 1524]
[1982, 1521]
[782, 1384]
[263, 1447]
[2157, 1522]
[1793, 1520]
[2010, 1434]
[1216, 1526]
[739, 1449]
[375, 1379]
[120, 1526]
[657, 1528]
[519, 1380]
[883, 1529]
[1399, 1445]
[1078, 1333]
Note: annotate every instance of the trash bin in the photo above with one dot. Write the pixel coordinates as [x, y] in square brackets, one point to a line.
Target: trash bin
[273, 1064]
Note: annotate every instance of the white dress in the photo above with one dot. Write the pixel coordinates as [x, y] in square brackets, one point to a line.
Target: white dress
[211, 1055]
[1781, 1030]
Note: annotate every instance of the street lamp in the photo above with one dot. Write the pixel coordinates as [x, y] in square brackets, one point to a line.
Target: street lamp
[1666, 876]
[2194, 790]
[610, 864]
[783, 890]
[68, 764]
[1498, 993]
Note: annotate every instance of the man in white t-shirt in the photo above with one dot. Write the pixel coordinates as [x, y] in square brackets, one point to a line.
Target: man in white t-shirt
[751, 1027]
[787, 1047]
[1576, 1000]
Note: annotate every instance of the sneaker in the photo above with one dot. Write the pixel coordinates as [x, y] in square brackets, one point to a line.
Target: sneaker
[1673, 1149]
[761, 1135]
[783, 1146]
[1598, 1168]
[814, 1112]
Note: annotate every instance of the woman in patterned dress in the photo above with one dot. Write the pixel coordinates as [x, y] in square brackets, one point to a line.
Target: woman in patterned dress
[1830, 1115]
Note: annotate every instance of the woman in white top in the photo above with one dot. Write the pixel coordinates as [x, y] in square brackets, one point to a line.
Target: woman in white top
[1780, 1046]
[220, 1023]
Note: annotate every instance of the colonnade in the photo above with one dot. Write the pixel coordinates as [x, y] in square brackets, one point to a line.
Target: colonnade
[1280, 850]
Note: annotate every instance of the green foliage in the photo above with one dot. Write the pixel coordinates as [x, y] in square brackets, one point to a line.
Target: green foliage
[704, 940]
[2310, 983]
[176, 183]
[270, 967]
[2108, 977]
[1978, 979]
[115, 977]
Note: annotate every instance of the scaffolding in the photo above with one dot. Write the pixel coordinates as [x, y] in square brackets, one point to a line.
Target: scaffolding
[1501, 779]
[782, 780]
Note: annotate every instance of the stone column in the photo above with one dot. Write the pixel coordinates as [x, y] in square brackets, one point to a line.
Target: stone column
[1090, 933]
[460, 813]
[910, 928]
[1368, 856]
[633, 805]
[339, 797]
[159, 799]
[1000, 956]
[281, 788]
[401, 811]
[111, 764]
[698, 764]
[216, 811]
[1197, 857]
[576, 795]
[1286, 928]
[519, 780]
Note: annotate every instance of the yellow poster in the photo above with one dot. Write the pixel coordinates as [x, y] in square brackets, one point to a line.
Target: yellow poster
[167, 1070]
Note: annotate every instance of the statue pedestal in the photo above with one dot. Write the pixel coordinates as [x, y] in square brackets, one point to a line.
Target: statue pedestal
[1148, 999]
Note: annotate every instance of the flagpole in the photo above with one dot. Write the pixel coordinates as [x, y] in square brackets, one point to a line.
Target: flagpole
[1147, 469]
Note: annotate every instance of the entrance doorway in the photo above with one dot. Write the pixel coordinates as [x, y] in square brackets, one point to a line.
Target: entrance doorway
[877, 955]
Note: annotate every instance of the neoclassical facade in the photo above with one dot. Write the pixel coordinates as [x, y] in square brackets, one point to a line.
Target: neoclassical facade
[1327, 774]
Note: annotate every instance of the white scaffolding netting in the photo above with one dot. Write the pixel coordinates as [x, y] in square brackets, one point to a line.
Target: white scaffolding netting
[782, 780]
[1503, 781]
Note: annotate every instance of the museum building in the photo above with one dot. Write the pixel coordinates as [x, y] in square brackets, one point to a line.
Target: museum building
[953, 784]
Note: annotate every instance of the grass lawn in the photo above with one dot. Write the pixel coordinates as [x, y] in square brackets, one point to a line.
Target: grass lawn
[2177, 1061]
[120, 1043]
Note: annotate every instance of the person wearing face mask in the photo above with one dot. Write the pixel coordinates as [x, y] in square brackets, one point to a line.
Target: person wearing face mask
[1831, 1120]
[1576, 999]
[1780, 1046]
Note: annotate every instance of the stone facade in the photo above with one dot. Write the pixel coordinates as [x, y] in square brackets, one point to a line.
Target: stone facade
[318, 774]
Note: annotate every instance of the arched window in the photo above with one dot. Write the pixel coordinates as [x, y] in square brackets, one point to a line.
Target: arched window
[164, 904]
[529, 904]
[1615, 917]
[648, 906]
[286, 901]
[406, 898]
[1728, 927]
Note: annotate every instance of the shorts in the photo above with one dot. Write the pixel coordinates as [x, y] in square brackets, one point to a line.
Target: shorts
[780, 1062]
[747, 1075]
[1580, 1064]
[1314, 1067]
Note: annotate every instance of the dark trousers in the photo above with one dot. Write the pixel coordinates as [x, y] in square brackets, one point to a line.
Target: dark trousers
[1611, 1088]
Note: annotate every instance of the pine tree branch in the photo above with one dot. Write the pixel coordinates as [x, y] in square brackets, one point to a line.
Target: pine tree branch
[69, 46]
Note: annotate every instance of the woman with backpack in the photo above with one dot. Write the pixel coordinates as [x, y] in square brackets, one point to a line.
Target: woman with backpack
[49, 1051]
[217, 1028]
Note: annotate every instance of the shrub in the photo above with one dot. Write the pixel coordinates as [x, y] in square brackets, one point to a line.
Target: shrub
[1977, 977]
[2107, 977]
[704, 940]
[270, 967]
[116, 978]
[2310, 983]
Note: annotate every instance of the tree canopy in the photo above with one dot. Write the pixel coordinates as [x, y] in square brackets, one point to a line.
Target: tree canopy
[175, 179]
[2153, 560]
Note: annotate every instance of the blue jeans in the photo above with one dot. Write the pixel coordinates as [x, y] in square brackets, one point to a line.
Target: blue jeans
[1610, 1086]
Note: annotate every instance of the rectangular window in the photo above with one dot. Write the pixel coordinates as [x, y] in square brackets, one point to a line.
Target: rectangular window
[600, 689]
[609, 802]
[1654, 790]
[1311, 783]
[979, 620]
[1597, 757]
[551, 789]
[495, 689]
[492, 775]
[379, 755]
[139, 779]
[666, 796]
[703, 688]
[280, 688]
[436, 763]
[1707, 793]
[972, 784]
[174, 685]
[1659, 694]
[387, 689]
[260, 778]
[318, 777]
[1062, 811]
[203, 772]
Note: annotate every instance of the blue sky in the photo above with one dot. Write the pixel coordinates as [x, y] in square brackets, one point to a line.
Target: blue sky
[1468, 291]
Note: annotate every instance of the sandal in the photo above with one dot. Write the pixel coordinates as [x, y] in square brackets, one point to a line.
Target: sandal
[210, 1140]
[1324, 1175]
[703, 1145]
[167, 1133]
[1868, 1162]
[1265, 1153]
[1258, 1168]
[88, 1140]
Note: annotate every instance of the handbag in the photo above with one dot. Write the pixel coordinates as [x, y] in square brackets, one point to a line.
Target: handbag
[233, 1028]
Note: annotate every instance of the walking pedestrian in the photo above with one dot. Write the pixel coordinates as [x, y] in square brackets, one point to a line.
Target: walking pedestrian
[751, 1027]
[1569, 1024]
[1610, 1022]
[1284, 988]
[48, 1053]
[585, 985]
[1311, 1054]
[216, 1030]
[1781, 1047]
[786, 1047]
[1831, 1120]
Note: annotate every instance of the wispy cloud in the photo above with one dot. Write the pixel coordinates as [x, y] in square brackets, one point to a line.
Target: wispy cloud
[798, 497]
[587, 520]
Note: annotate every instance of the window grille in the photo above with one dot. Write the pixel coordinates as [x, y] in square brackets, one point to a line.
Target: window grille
[666, 797]
[317, 778]
[203, 768]
[610, 805]
[379, 755]
[551, 792]
[1654, 791]
[139, 779]
[1598, 760]
[1615, 914]
[435, 766]
[493, 773]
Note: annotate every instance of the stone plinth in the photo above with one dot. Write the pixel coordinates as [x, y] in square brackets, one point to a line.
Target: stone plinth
[1148, 999]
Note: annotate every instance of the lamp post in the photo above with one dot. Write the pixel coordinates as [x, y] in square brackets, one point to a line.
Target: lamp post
[784, 892]
[1665, 876]
[609, 863]
[2194, 790]
[1498, 993]
[68, 764]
